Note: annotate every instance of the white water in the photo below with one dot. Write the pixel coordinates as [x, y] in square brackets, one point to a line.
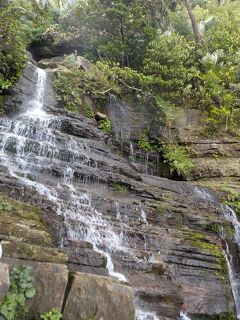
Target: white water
[143, 216]
[230, 215]
[235, 283]
[183, 316]
[36, 103]
[145, 315]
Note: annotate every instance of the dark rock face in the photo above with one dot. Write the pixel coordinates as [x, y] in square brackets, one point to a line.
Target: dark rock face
[160, 234]
[53, 44]
[20, 95]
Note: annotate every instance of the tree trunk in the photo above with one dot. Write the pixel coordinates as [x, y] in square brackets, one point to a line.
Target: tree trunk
[125, 59]
[195, 28]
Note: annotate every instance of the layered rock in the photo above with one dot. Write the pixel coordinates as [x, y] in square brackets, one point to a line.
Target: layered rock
[161, 234]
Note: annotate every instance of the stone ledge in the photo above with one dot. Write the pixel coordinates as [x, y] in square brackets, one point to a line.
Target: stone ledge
[25, 251]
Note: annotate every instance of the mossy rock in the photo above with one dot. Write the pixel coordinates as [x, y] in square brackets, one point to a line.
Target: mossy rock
[24, 233]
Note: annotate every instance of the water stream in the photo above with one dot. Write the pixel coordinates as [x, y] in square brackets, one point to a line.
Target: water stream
[230, 216]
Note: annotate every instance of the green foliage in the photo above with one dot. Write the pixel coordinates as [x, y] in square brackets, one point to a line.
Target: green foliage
[21, 289]
[12, 49]
[147, 48]
[144, 144]
[105, 125]
[73, 84]
[20, 22]
[169, 110]
[5, 205]
[165, 63]
[119, 186]
[53, 314]
[147, 144]
[88, 111]
[118, 31]
[177, 157]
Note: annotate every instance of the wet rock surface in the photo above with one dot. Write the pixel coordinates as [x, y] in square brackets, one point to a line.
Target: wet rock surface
[161, 234]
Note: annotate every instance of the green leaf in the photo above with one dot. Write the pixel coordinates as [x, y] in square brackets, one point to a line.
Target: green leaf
[30, 293]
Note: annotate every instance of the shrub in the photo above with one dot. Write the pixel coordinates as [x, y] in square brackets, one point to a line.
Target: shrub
[177, 157]
[88, 111]
[105, 125]
[5, 205]
[233, 200]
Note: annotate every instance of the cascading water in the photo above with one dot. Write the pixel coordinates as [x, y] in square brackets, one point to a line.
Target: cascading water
[230, 216]
[235, 282]
[144, 315]
[32, 148]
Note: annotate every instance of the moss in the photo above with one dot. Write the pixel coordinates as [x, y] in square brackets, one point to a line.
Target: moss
[224, 316]
[199, 240]
[19, 209]
[119, 186]
[225, 230]
[162, 207]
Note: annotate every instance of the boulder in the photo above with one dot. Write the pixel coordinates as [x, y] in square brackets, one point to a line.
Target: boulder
[95, 297]
[100, 116]
[84, 63]
[4, 281]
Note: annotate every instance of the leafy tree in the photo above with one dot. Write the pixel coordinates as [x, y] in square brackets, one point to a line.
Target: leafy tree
[12, 45]
[20, 22]
[117, 30]
[165, 62]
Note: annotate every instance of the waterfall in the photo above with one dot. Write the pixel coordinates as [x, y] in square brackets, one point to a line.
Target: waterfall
[230, 216]
[36, 104]
[144, 315]
[118, 114]
[33, 149]
[235, 282]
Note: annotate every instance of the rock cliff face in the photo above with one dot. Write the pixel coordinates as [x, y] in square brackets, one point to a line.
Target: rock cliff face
[162, 235]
